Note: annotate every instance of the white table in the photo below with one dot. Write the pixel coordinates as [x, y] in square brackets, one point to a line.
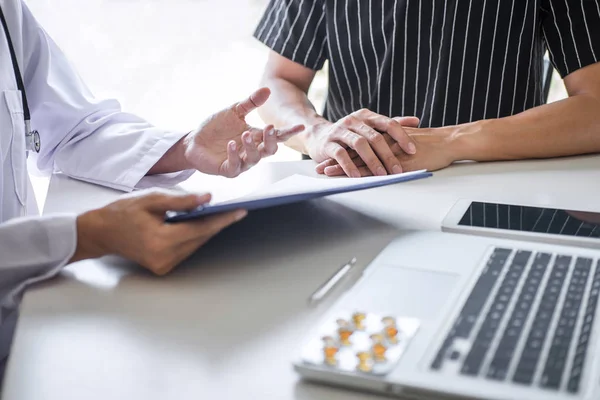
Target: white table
[226, 324]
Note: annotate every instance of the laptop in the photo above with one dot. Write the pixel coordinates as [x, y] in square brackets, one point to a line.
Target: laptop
[502, 309]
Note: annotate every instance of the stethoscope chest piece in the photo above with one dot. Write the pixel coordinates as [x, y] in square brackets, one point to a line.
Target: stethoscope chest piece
[33, 141]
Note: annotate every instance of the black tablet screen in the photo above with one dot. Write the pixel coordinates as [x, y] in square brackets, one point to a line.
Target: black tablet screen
[532, 219]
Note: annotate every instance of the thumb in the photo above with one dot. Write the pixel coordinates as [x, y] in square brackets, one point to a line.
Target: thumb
[411, 122]
[256, 99]
[260, 96]
[161, 202]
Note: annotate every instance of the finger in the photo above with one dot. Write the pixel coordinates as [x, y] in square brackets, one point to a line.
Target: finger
[334, 170]
[381, 148]
[201, 233]
[256, 99]
[411, 122]
[258, 135]
[188, 237]
[393, 145]
[206, 228]
[337, 171]
[338, 153]
[320, 168]
[363, 147]
[185, 250]
[252, 154]
[285, 134]
[232, 167]
[359, 162]
[282, 135]
[397, 132]
[219, 222]
[269, 144]
[394, 127]
[177, 254]
[364, 171]
[382, 123]
[161, 201]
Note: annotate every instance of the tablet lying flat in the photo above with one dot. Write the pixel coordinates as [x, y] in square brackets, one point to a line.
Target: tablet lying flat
[294, 189]
[528, 222]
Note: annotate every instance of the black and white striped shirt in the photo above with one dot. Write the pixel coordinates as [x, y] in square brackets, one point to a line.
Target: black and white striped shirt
[446, 62]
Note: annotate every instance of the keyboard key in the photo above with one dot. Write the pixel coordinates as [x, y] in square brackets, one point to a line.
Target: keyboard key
[524, 376]
[573, 385]
[562, 263]
[492, 320]
[574, 382]
[496, 373]
[521, 259]
[439, 358]
[583, 264]
[474, 304]
[537, 335]
[551, 380]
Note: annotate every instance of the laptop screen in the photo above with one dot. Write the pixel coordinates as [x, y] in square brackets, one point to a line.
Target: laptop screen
[532, 219]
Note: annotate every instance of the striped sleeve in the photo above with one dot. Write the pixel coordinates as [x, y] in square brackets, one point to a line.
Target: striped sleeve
[571, 29]
[296, 29]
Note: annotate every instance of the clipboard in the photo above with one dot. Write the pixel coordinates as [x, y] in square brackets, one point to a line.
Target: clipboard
[294, 189]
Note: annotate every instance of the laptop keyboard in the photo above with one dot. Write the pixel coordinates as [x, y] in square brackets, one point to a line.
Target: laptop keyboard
[527, 320]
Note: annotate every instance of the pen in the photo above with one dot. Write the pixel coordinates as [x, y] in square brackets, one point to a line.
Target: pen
[330, 283]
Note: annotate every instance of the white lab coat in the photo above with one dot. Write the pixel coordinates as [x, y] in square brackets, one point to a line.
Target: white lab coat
[85, 138]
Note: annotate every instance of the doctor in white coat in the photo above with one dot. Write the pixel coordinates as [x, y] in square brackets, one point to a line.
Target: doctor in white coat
[95, 141]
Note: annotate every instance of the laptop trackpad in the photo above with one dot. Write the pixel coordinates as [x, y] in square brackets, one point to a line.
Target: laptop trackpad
[407, 292]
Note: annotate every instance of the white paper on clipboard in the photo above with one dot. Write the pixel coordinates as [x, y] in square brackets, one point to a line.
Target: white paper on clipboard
[294, 189]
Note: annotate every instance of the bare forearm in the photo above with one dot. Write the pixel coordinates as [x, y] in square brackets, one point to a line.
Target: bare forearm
[289, 105]
[564, 128]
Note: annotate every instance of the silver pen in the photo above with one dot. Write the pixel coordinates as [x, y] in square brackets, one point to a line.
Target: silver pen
[330, 283]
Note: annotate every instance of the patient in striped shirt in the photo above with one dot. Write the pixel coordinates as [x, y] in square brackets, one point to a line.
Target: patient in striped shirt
[420, 84]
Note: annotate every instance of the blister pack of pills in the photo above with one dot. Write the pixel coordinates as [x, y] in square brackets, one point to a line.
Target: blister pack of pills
[360, 342]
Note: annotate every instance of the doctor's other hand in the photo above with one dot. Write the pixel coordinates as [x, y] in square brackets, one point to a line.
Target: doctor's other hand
[226, 145]
[134, 228]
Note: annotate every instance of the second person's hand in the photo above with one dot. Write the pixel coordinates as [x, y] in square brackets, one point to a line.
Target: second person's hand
[361, 132]
[437, 150]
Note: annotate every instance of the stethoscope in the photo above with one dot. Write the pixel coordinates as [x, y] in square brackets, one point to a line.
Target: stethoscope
[32, 137]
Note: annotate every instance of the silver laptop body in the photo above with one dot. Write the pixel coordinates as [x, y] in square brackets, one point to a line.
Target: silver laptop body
[445, 315]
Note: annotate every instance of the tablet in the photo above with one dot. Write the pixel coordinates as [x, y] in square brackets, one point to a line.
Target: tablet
[525, 222]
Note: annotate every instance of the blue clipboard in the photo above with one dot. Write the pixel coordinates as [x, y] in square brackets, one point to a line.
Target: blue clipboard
[272, 201]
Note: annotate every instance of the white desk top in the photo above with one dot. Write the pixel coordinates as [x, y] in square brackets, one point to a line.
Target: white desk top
[225, 324]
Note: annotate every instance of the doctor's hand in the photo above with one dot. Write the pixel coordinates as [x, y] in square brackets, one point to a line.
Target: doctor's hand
[134, 228]
[226, 145]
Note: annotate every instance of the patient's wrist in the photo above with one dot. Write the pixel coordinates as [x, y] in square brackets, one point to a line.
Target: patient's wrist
[467, 141]
[315, 127]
